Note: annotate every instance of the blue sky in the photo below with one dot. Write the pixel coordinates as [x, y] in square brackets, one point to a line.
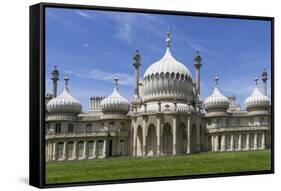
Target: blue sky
[93, 46]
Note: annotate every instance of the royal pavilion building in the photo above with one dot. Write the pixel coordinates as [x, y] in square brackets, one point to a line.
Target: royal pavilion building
[165, 117]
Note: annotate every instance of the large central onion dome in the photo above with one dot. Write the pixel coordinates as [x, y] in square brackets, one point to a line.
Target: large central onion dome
[167, 78]
[115, 103]
[257, 101]
[64, 103]
[217, 101]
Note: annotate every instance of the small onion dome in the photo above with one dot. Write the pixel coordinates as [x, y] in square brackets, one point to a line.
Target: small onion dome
[257, 101]
[115, 103]
[167, 78]
[217, 101]
[64, 103]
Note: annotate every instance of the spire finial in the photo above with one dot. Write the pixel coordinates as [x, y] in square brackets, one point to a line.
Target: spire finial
[168, 39]
[256, 80]
[66, 78]
[116, 79]
[137, 58]
[216, 79]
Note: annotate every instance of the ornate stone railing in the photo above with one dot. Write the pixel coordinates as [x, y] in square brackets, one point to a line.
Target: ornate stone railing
[91, 133]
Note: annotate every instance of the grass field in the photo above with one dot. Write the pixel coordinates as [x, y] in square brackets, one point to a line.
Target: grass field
[129, 167]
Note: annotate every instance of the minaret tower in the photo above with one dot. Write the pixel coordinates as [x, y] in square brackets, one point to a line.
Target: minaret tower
[66, 79]
[197, 65]
[264, 79]
[216, 79]
[136, 59]
[55, 77]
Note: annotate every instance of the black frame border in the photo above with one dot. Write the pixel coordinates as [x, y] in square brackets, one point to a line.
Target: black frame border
[37, 93]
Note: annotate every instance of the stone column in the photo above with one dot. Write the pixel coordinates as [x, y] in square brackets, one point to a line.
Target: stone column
[213, 143]
[216, 143]
[240, 142]
[263, 141]
[104, 148]
[223, 143]
[247, 142]
[135, 141]
[197, 65]
[85, 150]
[255, 141]
[144, 137]
[198, 137]
[231, 143]
[64, 151]
[74, 155]
[158, 136]
[174, 135]
[47, 150]
[95, 149]
[188, 135]
[54, 151]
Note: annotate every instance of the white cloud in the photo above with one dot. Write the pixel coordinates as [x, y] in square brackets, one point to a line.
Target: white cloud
[97, 74]
[66, 22]
[86, 45]
[124, 32]
[84, 14]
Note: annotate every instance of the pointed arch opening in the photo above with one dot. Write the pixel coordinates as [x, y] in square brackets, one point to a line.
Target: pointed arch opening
[181, 138]
[139, 141]
[167, 139]
[151, 140]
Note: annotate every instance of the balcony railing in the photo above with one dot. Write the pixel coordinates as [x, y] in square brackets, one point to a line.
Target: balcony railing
[239, 126]
[104, 130]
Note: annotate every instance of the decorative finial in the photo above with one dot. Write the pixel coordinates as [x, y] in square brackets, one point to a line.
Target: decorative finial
[264, 74]
[137, 57]
[216, 79]
[168, 40]
[116, 79]
[66, 78]
[197, 58]
[256, 80]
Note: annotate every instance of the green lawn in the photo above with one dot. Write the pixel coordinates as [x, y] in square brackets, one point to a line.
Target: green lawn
[130, 167]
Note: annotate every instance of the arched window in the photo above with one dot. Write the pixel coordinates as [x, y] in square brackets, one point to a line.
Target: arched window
[58, 128]
[227, 142]
[80, 148]
[259, 140]
[157, 76]
[91, 149]
[182, 77]
[60, 150]
[88, 127]
[167, 75]
[100, 148]
[178, 76]
[173, 75]
[162, 75]
[70, 128]
[70, 150]
[252, 138]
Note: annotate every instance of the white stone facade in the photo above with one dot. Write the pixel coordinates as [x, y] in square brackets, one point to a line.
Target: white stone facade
[166, 117]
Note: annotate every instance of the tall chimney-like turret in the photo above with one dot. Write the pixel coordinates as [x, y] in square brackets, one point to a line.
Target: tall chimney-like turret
[137, 64]
[55, 77]
[197, 65]
[264, 83]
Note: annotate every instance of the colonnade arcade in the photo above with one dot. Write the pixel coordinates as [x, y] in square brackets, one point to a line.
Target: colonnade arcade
[82, 149]
[165, 136]
[236, 141]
